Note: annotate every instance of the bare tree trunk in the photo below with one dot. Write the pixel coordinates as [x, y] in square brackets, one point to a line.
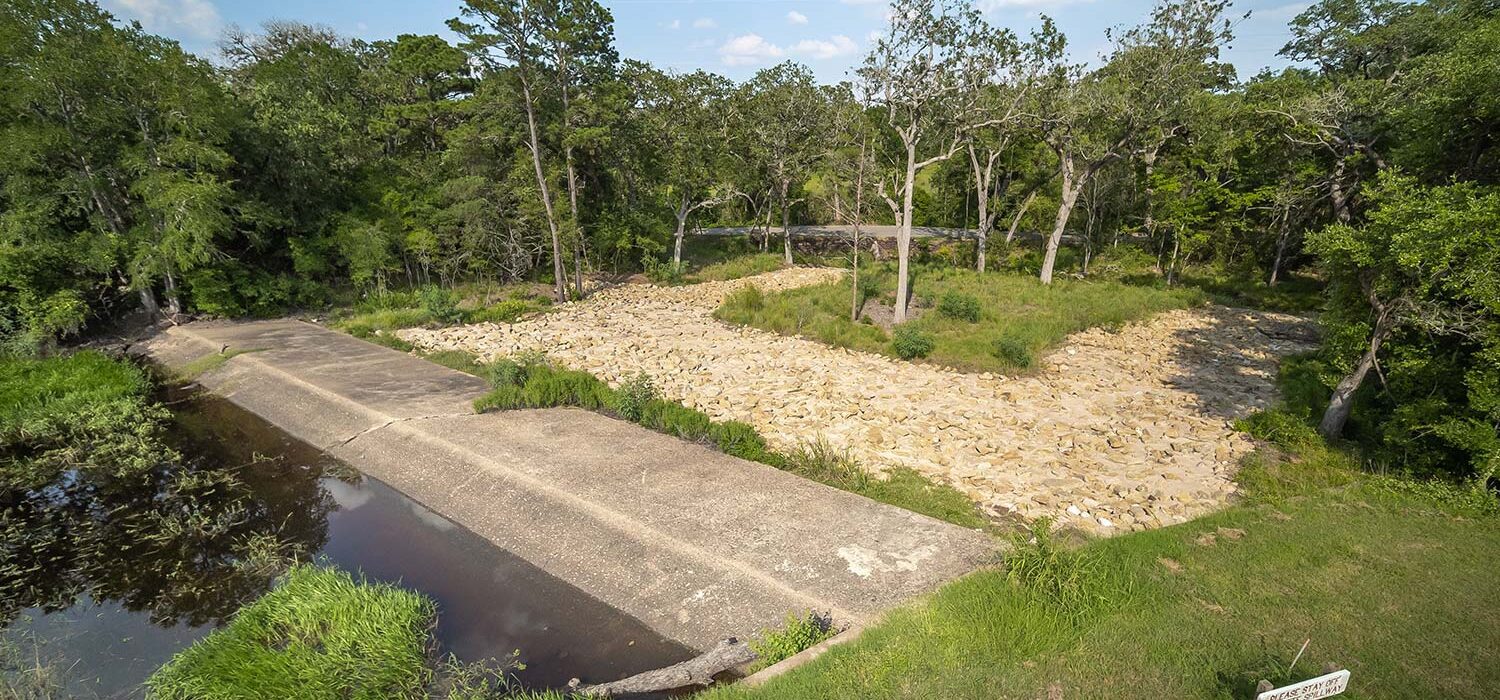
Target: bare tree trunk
[1337, 413]
[1281, 242]
[982, 178]
[174, 305]
[697, 671]
[1064, 210]
[148, 302]
[786, 228]
[1149, 158]
[859, 196]
[1337, 195]
[682, 214]
[1172, 264]
[1015, 222]
[559, 273]
[903, 235]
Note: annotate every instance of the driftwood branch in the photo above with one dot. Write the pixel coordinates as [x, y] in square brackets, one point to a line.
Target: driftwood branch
[699, 670]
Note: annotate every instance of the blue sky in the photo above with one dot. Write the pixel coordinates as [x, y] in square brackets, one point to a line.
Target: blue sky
[733, 37]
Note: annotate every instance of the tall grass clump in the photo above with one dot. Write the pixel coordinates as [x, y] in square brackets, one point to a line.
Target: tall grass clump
[797, 634]
[1070, 581]
[318, 634]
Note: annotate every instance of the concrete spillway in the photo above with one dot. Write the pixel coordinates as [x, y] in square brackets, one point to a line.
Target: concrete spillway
[696, 544]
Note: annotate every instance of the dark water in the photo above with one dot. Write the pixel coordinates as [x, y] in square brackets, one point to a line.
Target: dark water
[118, 609]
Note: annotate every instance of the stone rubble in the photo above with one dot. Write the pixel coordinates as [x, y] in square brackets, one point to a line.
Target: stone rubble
[1119, 430]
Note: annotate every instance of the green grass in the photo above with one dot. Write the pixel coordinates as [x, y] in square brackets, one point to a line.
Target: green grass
[1387, 577]
[79, 411]
[318, 634]
[207, 363]
[1018, 319]
[796, 634]
[737, 267]
[376, 317]
[532, 383]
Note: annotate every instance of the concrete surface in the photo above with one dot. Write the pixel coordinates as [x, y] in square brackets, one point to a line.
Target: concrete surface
[697, 544]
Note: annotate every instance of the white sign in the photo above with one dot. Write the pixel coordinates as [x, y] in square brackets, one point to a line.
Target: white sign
[1320, 687]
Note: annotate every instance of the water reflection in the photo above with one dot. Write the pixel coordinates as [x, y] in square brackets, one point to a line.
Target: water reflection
[115, 578]
[187, 543]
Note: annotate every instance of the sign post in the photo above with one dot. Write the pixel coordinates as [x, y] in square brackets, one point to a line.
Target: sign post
[1326, 685]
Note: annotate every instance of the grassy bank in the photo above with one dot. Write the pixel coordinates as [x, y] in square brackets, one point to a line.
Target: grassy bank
[376, 316]
[318, 634]
[1387, 577]
[530, 382]
[82, 411]
[970, 321]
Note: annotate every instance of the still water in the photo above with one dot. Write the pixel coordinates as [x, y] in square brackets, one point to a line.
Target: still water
[108, 610]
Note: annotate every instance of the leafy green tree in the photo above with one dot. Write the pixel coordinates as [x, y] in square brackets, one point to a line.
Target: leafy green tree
[1420, 270]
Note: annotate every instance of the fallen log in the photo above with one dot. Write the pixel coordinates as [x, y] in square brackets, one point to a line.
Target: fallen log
[699, 670]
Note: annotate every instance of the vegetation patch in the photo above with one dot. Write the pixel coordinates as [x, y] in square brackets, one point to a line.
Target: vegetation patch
[318, 634]
[208, 363]
[378, 316]
[797, 634]
[83, 411]
[737, 267]
[1174, 613]
[1017, 319]
[530, 382]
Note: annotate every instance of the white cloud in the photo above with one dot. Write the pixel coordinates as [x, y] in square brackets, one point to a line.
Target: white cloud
[748, 50]
[704, 23]
[796, 17]
[836, 45]
[674, 24]
[195, 18]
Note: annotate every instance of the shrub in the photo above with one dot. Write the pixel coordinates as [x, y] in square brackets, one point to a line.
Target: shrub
[799, 633]
[957, 305]
[1014, 352]
[676, 419]
[741, 440]
[662, 272]
[439, 303]
[633, 395]
[909, 343]
[318, 634]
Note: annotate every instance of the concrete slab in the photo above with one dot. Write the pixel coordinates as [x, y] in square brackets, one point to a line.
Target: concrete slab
[697, 544]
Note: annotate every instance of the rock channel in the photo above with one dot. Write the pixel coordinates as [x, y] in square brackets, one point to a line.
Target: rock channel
[1119, 430]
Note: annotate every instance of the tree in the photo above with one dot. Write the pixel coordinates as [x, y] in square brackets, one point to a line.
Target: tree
[686, 119]
[926, 73]
[785, 112]
[511, 36]
[1425, 259]
[1134, 103]
[1002, 108]
[580, 37]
